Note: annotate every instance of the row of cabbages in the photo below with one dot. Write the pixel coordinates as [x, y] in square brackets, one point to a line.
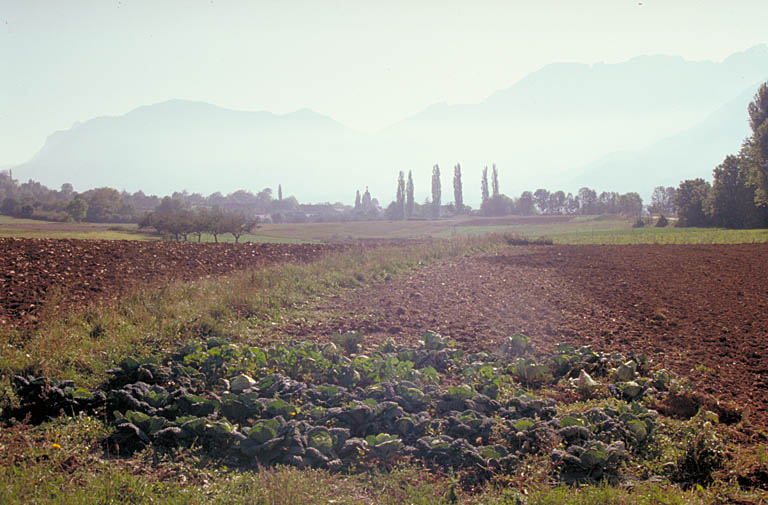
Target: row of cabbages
[333, 407]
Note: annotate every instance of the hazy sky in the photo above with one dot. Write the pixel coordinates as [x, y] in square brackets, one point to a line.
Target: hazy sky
[364, 63]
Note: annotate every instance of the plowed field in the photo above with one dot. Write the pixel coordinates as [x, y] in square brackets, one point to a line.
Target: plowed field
[84, 270]
[699, 310]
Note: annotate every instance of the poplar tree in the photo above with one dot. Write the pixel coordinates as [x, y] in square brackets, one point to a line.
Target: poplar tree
[458, 197]
[436, 191]
[409, 201]
[484, 185]
[495, 181]
[400, 199]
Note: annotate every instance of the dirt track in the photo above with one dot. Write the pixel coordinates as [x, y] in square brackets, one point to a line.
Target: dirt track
[700, 310]
[86, 270]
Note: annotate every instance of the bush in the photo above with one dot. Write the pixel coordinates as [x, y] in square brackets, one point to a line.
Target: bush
[639, 223]
[662, 222]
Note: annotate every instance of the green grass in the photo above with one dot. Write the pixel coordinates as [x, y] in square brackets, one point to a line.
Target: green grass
[615, 230]
[669, 235]
[56, 464]
[543, 226]
[560, 229]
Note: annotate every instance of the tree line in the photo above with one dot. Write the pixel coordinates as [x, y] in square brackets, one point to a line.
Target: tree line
[495, 203]
[738, 194]
[107, 205]
[183, 214]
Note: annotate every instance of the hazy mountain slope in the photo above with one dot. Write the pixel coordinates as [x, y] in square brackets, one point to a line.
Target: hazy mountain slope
[689, 154]
[566, 115]
[538, 131]
[181, 144]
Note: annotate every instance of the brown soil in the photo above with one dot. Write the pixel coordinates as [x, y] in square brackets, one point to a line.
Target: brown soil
[80, 271]
[699, 310]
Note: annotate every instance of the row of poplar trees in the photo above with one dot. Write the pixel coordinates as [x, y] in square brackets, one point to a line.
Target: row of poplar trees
[405, 204]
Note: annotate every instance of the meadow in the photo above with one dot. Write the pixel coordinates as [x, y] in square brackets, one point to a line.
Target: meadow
[604, 229]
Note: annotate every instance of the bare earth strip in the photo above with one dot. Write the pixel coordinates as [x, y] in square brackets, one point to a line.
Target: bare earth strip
[699, 310]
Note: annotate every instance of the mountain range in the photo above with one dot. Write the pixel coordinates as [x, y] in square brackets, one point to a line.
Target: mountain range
[629, 126]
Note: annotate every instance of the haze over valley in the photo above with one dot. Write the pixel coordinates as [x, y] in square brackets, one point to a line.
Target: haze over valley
[629, 126]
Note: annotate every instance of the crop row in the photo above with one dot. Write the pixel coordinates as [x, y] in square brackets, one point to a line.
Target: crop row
[332, 406]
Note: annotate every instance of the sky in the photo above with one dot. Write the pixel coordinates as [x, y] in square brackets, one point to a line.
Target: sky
[367, 64]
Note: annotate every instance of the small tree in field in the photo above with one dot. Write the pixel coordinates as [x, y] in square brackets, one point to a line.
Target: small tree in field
[217, 224]
[238, 225]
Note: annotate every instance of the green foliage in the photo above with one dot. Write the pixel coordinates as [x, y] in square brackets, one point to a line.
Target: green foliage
[106, 205]
[222, 361]
[732, 198]
[692, 197]
[77, 209]
[350, 341]
[517, 345]
[307, 401]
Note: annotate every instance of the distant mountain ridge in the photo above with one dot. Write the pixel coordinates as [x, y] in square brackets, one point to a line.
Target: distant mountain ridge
[555, 128]
[689, 154]
[181, 144]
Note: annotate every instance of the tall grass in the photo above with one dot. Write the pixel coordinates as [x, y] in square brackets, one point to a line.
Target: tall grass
[243, 306]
